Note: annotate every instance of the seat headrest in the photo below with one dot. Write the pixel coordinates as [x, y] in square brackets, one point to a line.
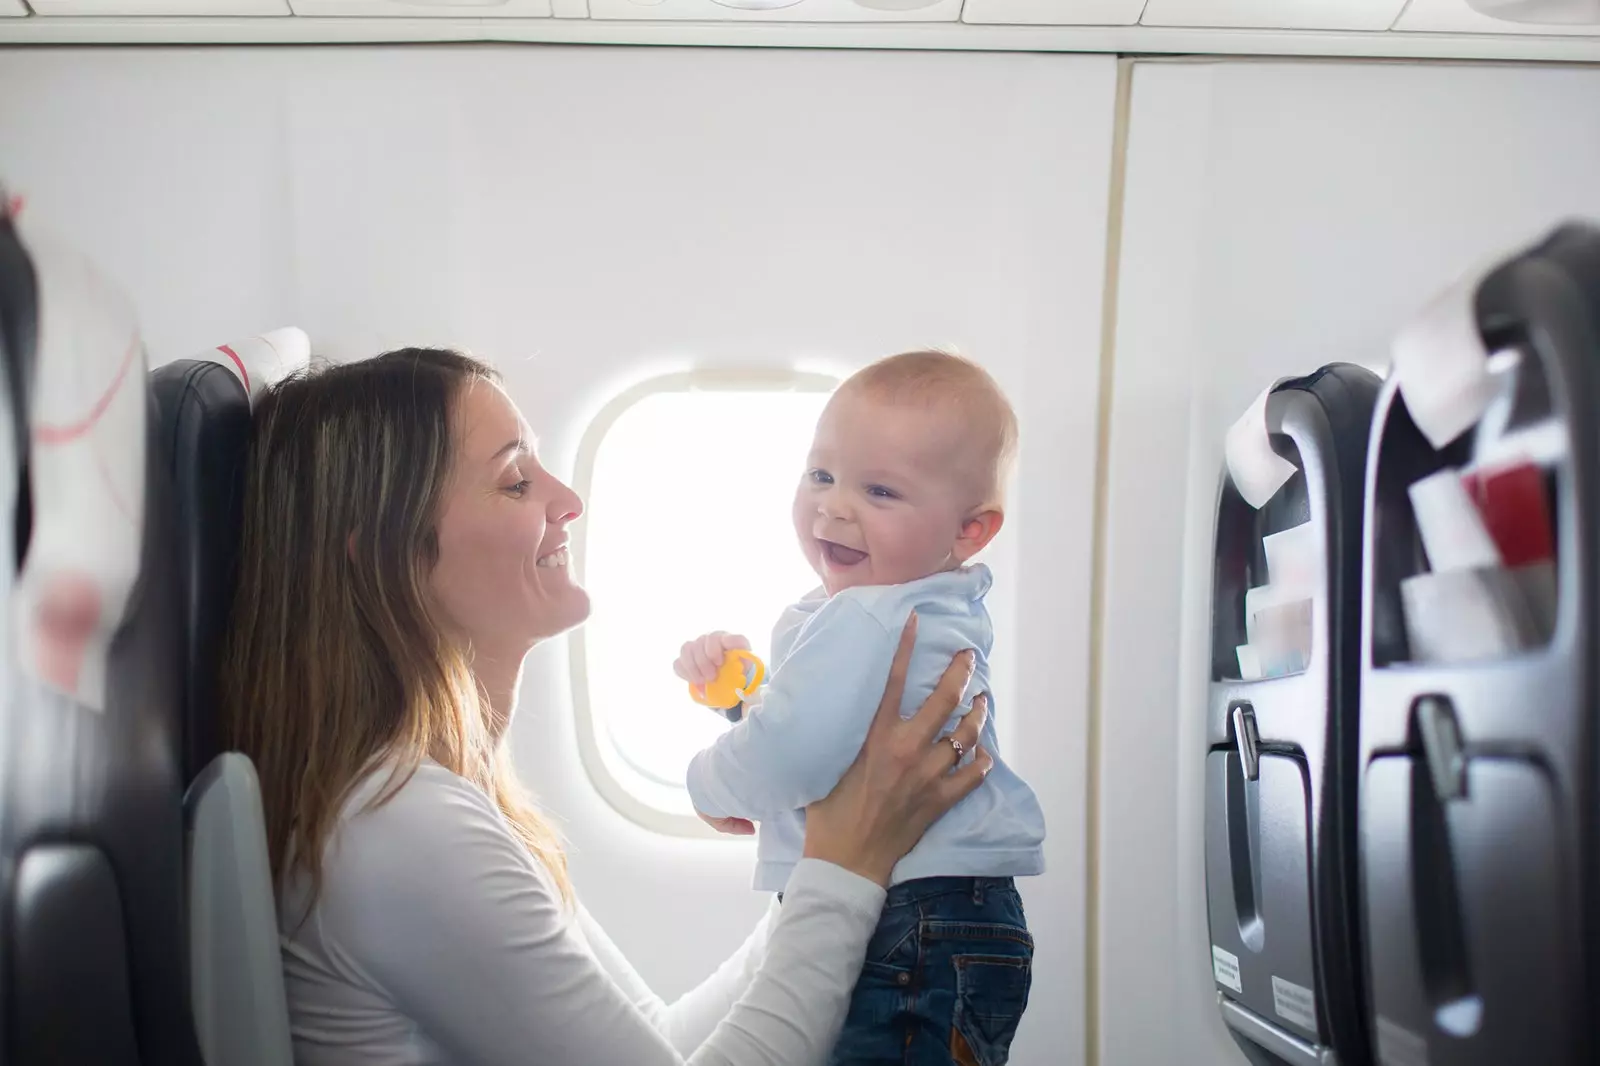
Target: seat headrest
[86, 425]
[203, 406]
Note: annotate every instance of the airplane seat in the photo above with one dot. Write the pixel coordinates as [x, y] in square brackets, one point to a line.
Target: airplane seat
[92, 969]
[236, 975]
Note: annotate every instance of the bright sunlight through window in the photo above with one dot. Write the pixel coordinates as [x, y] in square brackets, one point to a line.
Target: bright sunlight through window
[687, 530]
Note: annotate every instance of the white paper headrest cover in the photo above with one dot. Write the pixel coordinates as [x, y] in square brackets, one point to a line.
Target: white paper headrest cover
[261, 360]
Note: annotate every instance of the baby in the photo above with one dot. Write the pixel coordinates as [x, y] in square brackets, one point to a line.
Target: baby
[903, 487]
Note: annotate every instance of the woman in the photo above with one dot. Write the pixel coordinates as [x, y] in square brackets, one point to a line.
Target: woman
[403, 550]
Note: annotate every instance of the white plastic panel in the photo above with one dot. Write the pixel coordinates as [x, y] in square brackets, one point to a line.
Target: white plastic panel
[1274, 14]
[1454, 16]
[12, 8]
[156, 7]
[1053, 12]
[778, 10]
[522, 9]
[570, 9]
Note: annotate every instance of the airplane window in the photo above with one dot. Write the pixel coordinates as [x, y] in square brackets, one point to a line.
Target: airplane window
[688, 483]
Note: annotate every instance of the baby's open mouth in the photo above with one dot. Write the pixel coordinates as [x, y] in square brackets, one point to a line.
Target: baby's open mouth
[839, 555]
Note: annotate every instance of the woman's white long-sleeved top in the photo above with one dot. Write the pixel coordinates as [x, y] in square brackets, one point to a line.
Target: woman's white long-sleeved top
[438, 938]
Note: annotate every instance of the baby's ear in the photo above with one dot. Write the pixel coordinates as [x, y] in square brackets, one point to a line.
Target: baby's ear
[976, 533]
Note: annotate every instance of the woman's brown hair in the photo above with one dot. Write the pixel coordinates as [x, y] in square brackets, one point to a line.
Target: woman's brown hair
[334, 662]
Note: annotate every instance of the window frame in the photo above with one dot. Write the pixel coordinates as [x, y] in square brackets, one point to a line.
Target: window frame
[617, 794]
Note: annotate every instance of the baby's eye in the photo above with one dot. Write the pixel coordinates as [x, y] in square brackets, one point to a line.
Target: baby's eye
[882, 492]
[820, 477]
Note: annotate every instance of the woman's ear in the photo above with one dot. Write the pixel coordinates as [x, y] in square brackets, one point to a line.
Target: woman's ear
[976, 533]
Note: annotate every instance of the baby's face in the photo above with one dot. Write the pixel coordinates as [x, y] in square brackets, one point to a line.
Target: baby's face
[883, 497]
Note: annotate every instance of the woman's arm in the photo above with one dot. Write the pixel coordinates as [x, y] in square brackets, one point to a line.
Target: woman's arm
[689, 1019]
[433, 901]
[794, 1008]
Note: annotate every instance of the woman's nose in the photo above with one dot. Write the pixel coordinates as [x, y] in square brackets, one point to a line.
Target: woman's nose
[565, 506]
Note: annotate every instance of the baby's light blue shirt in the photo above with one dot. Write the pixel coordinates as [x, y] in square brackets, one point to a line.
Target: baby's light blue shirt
[830, 661]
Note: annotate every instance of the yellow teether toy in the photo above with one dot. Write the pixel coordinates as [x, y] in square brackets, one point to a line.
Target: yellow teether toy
[740, 675]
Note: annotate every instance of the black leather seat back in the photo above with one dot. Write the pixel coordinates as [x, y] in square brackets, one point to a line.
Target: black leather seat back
[203, 425]
[202, 413]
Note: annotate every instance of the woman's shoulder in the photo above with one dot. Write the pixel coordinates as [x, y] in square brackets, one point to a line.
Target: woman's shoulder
[412, 823]
[422, 881]
[423, 797]
[424, 849]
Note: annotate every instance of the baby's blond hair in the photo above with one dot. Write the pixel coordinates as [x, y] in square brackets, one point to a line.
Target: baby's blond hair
[938, 378]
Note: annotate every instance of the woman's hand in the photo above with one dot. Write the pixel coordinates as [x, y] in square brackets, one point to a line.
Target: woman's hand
[901, 781]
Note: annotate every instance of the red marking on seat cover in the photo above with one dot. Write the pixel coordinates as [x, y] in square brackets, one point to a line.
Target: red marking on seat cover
[231, 354]
[48, 434]
[14, 206]
[66, 617]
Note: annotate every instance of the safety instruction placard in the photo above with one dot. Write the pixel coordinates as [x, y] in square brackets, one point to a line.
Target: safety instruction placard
[1294, 1003]
[1225, 968]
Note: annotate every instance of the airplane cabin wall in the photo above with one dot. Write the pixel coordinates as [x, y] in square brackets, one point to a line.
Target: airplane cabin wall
[590, 217]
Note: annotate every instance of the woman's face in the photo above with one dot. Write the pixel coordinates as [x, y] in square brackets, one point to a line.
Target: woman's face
[502, 578]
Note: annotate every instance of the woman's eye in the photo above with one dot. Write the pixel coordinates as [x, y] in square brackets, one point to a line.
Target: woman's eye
[518, 489]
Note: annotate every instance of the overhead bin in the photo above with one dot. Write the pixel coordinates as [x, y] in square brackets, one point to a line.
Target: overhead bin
[1480, 705]
[778, 10]
[1459, 16]
[191, 8]
[12, 8]
[522, 9]
[1053, 12]
[1282, 718]
[1368, 15]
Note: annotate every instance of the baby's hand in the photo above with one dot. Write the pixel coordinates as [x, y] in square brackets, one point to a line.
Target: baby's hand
[701, 658]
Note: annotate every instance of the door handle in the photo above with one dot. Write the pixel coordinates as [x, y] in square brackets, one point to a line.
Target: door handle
[1440, 736]
[1247, 741]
